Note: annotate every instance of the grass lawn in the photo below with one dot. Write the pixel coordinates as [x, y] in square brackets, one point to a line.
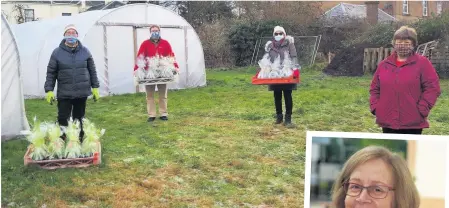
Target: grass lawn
[220, 147]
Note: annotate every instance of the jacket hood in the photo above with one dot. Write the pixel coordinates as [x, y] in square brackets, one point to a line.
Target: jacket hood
[290, 39]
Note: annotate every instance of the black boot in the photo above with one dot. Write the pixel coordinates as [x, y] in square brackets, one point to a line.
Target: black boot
[279, 118]
[63, 137]
[81, 136]
[288, 119]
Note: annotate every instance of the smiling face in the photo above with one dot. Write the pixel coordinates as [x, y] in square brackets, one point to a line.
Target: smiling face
[376, 174]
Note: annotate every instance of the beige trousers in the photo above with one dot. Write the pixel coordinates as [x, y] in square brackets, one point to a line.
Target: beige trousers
[151, 106]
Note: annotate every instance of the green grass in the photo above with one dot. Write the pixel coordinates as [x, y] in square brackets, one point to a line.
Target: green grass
[219, 148]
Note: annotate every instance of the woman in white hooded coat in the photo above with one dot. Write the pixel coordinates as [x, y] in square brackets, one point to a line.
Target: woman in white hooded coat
[278, 47]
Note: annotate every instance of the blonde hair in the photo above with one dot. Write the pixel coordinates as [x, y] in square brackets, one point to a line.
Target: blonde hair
[405, 194]
[406, 33]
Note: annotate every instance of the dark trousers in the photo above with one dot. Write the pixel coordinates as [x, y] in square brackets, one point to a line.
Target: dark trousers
[401, 131]
[288, 101]
[74, 107]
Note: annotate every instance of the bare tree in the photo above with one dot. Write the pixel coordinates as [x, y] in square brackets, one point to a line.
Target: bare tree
[6, 15]
[299, 14]
[19, 10]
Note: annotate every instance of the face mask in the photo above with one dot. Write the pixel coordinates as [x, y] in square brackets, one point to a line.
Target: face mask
[403, 50]
[155, 35]
[278, 37]
[71, 39]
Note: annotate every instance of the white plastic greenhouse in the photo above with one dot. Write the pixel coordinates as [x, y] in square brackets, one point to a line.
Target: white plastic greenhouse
[14, 120]
[113, 37]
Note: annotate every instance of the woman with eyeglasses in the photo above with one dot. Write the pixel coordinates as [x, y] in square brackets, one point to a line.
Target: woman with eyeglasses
[375, 177]
[280, 45]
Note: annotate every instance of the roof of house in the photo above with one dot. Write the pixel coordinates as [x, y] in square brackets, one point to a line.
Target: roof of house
[344, 11]
[88, 3]
[103, 6]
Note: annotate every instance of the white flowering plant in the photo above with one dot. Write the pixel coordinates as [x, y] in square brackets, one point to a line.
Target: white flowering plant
[149, 68]
[73, 147]
[275, 69]
[47, 143]
[55, 143]
[92, 136]
[37, 138]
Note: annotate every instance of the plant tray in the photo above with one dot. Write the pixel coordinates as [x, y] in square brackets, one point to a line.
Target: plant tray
[287, 80]
[63, 163]
[158, 81]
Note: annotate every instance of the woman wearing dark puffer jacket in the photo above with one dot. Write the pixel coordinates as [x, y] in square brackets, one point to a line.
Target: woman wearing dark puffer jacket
[404, 88]
[72, 65]
[278, 47]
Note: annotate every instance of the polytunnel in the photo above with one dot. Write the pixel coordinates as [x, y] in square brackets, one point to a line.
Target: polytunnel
[14, 121]
[113, 37]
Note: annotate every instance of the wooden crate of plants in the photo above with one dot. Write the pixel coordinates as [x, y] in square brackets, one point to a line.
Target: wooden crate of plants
[273, 81]
[53, 146]
[156, 70]
[95, 159]
[157, 81]
[293, 79]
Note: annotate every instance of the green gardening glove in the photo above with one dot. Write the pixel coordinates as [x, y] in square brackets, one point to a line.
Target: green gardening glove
[96, 94]
[50, 97]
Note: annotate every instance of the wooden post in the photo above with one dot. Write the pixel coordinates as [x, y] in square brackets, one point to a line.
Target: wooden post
[135, 51]
[381, 55]
[186, 51]
[366, 61]
[106, 61]
[373, 60]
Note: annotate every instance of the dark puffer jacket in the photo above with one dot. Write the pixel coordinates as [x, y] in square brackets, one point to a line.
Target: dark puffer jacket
[74, 68]
[286, 45]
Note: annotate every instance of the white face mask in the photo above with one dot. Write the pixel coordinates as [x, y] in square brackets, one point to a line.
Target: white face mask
[278, 37]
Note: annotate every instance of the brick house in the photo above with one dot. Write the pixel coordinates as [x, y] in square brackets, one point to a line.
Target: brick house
[401, 10]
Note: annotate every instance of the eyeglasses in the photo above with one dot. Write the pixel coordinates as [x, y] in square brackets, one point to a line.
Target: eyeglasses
[276, 34]
[377, 192]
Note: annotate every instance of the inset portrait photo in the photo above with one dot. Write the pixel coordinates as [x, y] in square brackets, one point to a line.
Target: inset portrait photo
[349, 170]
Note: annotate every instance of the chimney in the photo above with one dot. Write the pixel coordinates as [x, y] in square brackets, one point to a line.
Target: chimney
[83, 4]
[388, 8]
[372, 11]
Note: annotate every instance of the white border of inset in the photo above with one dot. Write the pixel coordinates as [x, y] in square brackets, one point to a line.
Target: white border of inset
[355, 135]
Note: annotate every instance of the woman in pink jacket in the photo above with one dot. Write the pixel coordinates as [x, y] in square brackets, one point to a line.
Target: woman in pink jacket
[404, 88]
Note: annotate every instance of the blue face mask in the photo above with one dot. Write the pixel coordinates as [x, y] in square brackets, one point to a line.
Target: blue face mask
[71, 39]
[155, 35]
[278, 37]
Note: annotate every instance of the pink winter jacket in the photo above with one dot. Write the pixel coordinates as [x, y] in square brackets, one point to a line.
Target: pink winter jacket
[402, 96]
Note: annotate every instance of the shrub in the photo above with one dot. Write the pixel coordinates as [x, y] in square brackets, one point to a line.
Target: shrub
[380, 34]
[243, 38]
[432, 28]
[217, 50]
[440, 58]
[428, 29]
